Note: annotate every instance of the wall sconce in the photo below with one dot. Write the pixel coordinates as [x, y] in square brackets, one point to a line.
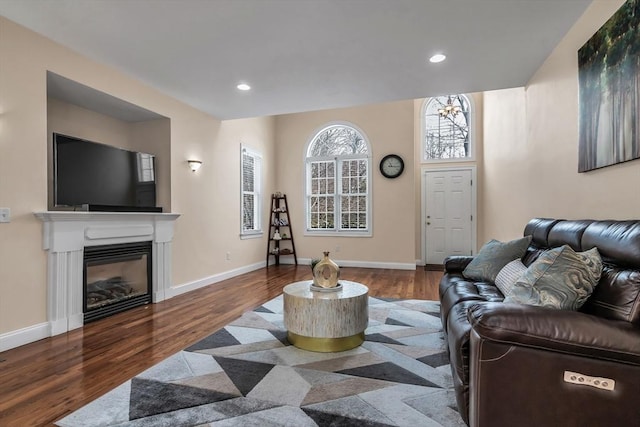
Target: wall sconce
[194, 164]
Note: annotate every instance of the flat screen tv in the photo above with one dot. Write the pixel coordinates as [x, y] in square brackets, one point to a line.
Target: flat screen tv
[101, 177]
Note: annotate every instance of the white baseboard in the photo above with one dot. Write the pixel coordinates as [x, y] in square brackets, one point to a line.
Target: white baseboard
[201, 283]
[40, 331]
[361, 264]
[24, 336]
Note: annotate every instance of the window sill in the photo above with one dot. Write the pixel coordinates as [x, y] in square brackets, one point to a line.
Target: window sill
[350, 233]
[438, 161]
[251, 235]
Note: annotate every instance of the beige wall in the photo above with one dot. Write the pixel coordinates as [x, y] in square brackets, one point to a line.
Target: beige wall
[154, 137]
[531, 148]
[208, 200]
[389, 129]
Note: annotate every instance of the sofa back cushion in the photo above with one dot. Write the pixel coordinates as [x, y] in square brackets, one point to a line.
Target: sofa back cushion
[617, 295]
[568, 232]
[618, 242]
[538, 229]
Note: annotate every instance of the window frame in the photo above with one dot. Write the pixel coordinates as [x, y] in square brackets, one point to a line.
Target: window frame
[337, 195]
[257, 231]
[472, 132]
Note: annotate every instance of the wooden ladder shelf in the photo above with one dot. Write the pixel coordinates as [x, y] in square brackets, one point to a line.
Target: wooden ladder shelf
[280, 232]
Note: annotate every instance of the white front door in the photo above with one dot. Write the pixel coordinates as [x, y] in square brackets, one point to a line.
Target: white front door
[448, 210]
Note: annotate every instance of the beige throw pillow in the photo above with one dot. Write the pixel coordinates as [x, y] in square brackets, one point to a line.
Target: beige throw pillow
[509, 275]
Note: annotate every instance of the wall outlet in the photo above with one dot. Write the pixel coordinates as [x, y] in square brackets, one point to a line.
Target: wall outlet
[5, 215]
[228, 257]
[337, 249]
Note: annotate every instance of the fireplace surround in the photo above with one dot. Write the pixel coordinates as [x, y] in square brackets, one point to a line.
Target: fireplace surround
[66, 234]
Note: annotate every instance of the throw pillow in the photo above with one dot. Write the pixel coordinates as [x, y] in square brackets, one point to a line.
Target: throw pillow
[509, 275]
[559, 278]
[493, 256]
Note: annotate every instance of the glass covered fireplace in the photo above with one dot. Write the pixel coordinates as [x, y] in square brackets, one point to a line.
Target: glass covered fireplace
[116, 278]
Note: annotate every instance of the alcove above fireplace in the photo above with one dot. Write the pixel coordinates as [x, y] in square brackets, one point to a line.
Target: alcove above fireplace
[67, 234]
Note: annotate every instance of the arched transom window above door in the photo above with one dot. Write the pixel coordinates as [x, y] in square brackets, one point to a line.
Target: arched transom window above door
[446, 129]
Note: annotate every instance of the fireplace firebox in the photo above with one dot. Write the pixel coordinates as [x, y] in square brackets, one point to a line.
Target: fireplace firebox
[116, 278]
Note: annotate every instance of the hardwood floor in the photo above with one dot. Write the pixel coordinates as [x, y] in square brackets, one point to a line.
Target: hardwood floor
[43, 381]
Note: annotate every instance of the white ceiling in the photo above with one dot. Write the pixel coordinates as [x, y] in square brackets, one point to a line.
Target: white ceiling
[306, 55]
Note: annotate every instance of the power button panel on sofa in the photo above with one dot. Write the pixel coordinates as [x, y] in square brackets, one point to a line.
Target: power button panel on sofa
[597, 382]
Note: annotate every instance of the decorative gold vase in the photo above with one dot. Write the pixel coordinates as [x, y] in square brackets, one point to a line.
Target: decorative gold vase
[326, 273]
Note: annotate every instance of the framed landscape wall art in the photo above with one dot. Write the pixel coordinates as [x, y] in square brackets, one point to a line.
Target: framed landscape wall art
[609, 79]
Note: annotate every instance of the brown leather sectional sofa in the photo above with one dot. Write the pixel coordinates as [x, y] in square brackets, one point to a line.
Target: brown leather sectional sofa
[523, 365]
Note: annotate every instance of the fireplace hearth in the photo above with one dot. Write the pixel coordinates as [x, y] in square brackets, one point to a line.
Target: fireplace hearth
[116, 278]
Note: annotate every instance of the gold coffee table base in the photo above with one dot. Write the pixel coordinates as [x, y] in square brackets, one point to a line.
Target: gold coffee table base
[325, 345]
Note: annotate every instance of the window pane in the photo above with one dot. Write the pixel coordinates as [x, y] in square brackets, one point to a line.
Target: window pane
[447, 137]
[353, 204]
[247, 173]
[355, 185]
[248, 212]
[362, 220]
[337, 140]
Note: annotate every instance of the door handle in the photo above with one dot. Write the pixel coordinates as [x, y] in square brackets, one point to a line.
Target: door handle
[428, 223]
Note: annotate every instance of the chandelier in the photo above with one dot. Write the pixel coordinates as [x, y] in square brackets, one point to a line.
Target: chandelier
[449, 108]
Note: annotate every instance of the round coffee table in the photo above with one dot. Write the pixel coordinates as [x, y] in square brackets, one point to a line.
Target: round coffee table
[326, 321]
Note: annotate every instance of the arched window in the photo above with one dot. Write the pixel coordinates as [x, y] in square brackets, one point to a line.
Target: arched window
[446, 129]
[338, 190]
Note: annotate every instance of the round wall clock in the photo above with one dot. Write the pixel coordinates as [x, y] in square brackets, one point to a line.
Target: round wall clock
[391, 166]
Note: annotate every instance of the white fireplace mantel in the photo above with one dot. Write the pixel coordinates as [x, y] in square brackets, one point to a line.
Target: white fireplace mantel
[66, 234]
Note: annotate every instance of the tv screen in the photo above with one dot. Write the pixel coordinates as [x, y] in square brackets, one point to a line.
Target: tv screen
[99, 175]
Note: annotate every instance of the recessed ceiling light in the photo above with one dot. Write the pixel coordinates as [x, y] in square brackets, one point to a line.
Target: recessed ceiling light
[243, 86]
[437, 58]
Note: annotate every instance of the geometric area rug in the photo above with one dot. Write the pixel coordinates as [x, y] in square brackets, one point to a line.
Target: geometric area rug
[247, 374]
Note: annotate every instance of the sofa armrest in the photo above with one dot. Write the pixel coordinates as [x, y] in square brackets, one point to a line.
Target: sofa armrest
[563, 331]
[456, 263]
